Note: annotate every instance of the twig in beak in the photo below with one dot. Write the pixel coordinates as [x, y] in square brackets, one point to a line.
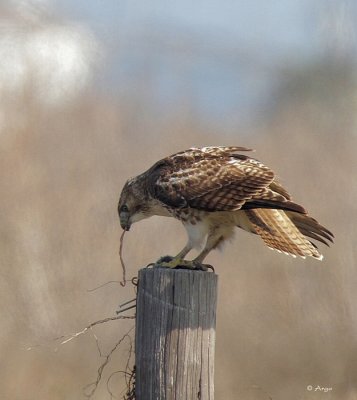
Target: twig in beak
[123, 282]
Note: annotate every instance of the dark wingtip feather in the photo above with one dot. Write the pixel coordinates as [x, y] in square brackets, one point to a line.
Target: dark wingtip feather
[277, 205]
[308, 226]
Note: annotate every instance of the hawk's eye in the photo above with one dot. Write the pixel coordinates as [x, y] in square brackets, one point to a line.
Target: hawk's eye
[124, 208]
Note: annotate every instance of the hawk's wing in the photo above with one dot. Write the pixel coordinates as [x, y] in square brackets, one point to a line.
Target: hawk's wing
[216, 179]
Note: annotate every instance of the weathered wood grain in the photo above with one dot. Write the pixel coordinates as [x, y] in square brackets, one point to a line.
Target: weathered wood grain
[175, 334]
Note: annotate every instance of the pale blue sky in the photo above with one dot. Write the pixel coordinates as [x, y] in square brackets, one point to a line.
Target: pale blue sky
[224, 55]
[274, 24]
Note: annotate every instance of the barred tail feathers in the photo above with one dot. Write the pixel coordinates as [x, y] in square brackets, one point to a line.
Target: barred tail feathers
[285, 233]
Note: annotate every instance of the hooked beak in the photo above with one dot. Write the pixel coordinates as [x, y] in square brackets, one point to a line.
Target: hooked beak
[125, 224]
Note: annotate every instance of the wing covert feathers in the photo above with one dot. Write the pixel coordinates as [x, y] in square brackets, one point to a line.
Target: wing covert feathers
[209, 179]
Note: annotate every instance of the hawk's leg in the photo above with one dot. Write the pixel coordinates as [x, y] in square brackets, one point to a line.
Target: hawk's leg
[183, 253]
[212, 243]
[174, 262]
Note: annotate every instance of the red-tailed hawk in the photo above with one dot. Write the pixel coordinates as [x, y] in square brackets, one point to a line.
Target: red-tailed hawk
[212, 190]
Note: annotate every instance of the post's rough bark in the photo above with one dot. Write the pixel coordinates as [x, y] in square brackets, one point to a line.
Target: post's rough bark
[175, 334]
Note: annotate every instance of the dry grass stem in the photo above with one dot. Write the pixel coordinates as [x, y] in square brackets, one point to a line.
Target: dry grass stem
[95, 384]
[90, 326]
[102, 285]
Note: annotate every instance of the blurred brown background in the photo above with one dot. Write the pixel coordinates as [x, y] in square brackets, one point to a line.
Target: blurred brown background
[93, 93]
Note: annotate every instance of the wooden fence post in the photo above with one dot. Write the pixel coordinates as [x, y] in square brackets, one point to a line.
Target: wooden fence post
[175, 334]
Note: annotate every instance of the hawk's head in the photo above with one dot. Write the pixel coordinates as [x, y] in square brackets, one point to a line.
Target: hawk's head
[133, 205]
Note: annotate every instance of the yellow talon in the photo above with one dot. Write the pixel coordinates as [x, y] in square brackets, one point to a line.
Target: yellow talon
[175, 262]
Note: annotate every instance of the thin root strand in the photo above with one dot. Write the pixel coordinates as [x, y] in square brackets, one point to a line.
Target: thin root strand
[123, 282]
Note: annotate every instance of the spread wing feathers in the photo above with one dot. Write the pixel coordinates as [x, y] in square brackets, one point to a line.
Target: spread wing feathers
[217, 179]
[279, 232]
